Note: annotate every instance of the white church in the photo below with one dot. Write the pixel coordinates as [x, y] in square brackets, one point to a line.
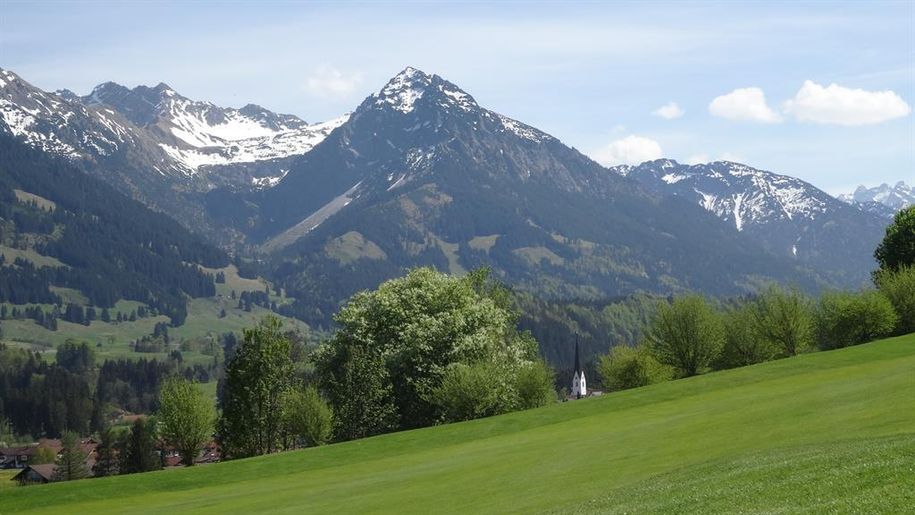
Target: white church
[579, 383]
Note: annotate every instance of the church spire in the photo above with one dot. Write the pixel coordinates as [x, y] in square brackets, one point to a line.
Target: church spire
[577, 360]
[579, 384]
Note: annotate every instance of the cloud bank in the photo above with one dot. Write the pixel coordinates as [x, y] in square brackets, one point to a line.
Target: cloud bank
[744, 104]
[668, 111]
[630, 150]
[327, 81]
[839, 105]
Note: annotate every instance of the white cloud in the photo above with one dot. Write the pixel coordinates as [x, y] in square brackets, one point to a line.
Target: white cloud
[702, 158]
[838, 105]
[730, 156]
[668, 111]
[327, 81]
[747, 104]
[697, 159]
[629, 150]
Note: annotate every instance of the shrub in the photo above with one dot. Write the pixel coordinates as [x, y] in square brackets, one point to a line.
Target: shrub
[899, 288]
[686, 334]
[784, 320]
[742, 344]
[845, 318]
[469, 391]
[307, 416]
[627, 367]
[534, 386]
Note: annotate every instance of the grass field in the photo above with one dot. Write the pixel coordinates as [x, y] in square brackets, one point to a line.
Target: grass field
[822, 432]
[5, 477]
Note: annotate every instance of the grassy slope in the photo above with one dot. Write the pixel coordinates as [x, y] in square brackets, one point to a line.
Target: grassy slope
[113, 339]
[822, 431]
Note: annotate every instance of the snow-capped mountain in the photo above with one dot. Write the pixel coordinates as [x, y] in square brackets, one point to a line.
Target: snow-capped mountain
[422, 175]
[737, 193]
[59, 124]
[198, 134]
[883, 200]
[158, 132]
[789, 216]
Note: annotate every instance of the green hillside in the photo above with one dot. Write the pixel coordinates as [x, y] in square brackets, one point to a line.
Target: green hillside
[112, 340]
[831, 431]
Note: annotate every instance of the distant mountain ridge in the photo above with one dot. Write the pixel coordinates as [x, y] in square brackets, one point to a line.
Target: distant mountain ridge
[160, 134]
[883, 200]
[786, 215]
[197, 134]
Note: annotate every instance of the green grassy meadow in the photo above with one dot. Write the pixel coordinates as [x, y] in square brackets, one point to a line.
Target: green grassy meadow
[112, 340]
[822, 432]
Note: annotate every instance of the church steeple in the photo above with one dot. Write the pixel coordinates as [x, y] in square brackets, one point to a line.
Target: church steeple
[579, 384]
[577, 360]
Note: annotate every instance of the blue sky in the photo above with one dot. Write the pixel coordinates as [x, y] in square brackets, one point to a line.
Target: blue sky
[593, 74]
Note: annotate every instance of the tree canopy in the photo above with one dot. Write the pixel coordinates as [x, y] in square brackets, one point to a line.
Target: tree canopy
[257, 378]
[186, 416]
[396, 344]
[686, 334]
[898, 246]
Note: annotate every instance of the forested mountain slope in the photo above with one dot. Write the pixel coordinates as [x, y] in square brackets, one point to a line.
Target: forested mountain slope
[105, 245]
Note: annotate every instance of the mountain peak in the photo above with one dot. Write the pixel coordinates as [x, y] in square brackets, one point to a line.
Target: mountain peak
[164, 89]
[6, 77]
[404, 89]
[411, 85]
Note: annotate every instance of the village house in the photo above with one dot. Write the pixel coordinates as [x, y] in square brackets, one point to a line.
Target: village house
[35, 474]
[16, 457]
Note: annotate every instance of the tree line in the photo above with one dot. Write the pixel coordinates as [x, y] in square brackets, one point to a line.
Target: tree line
[689, 336]
[76, 394]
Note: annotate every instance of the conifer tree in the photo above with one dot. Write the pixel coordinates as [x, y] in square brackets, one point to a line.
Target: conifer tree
[72, 462]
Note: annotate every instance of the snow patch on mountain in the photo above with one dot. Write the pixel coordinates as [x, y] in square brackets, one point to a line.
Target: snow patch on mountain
[403, 90]
[521, 130]
[260, 146]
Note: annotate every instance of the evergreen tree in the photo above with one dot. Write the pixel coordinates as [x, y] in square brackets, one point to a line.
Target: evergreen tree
[106, 462]
[140, 453]
[72, 461]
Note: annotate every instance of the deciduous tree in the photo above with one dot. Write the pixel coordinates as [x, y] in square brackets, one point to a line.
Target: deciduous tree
[686, 334]
[899, 287]
[784, 319]
[848, 318]
[898, 246]
[256, 380]
[307, 416]
[627, 367]
[186, 417]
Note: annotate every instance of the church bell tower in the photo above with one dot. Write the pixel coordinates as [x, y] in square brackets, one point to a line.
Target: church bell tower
[579, 384]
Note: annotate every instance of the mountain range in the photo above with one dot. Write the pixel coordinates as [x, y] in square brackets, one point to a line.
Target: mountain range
[421, 174]
[787, 216]
[883, 200]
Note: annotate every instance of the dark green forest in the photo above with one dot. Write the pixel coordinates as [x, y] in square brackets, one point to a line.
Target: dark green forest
[113, 247]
